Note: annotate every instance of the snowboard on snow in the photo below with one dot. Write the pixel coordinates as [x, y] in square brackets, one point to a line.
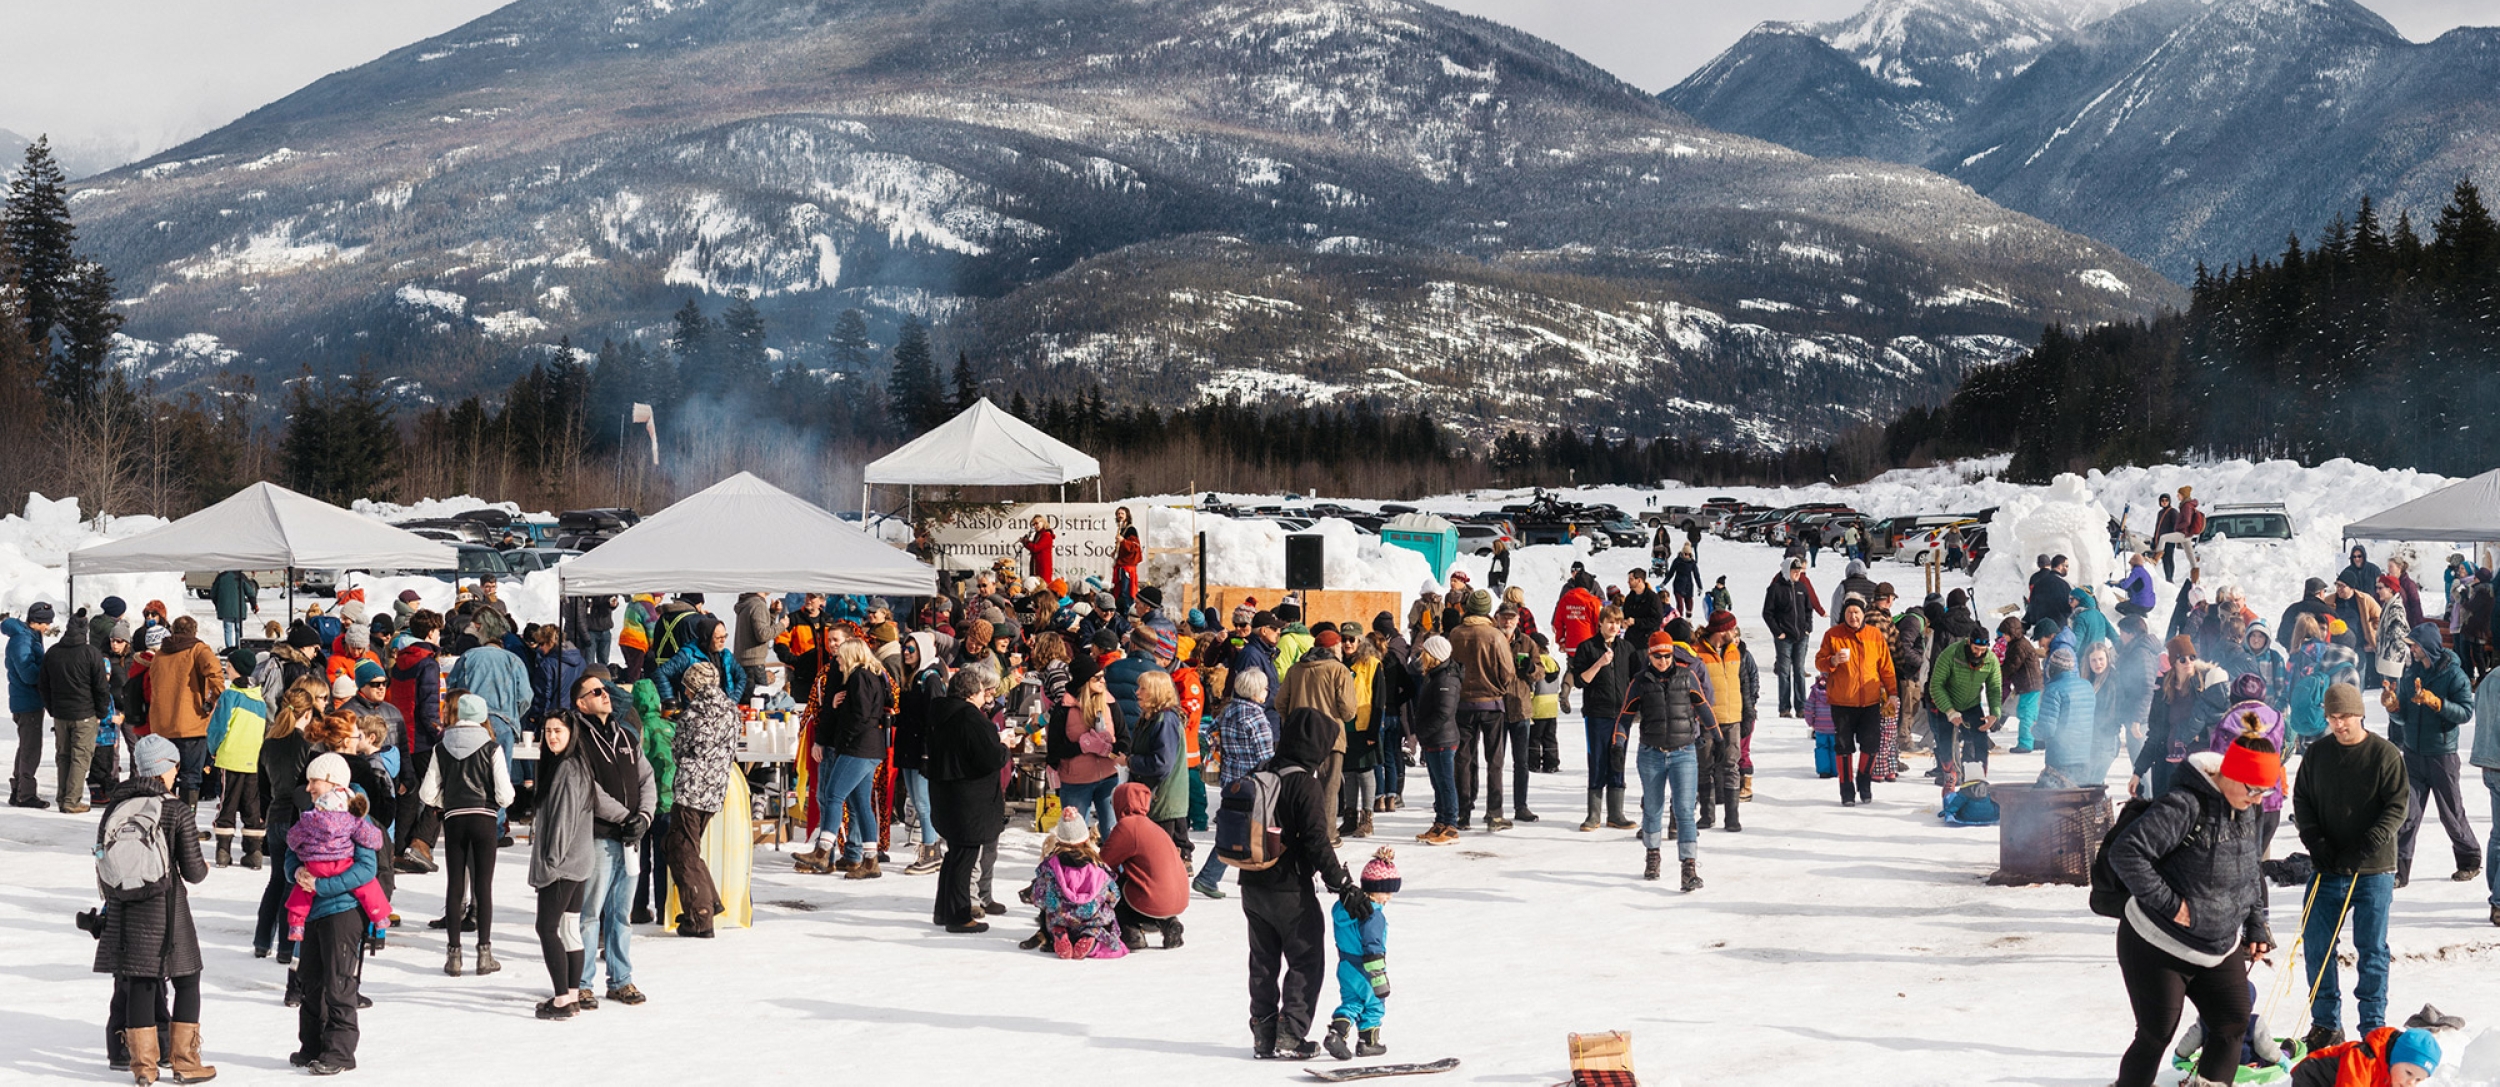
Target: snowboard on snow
[1375, 1071]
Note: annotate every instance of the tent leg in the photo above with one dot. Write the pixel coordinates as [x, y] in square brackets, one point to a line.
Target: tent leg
[290, 598]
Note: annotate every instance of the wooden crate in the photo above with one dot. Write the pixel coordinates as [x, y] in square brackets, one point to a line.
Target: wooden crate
[1332, 605]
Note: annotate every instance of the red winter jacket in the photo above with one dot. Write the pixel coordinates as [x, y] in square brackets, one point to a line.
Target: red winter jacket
[1575, 617]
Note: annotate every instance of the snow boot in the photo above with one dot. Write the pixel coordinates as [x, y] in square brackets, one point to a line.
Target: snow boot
[1370, 1045]
[225, 849]
[1493, 821]
[1597, 797]
[451, 963]
[142, 1046]
[251, 850]
[1706, 808]
[1651, 870]
[1732, 824]
[1338, 1031]
[1362, 827]
[116, 1051]
[1172, 934]
[1692, 876]
[817, 861]
[1199, 885]
[2495, 916]
[865, 869]
[1263, 1038]
[486, 963]
[187, 1066]
[1521, 813]
[2321, 1036]
[1614, 810]
[930, 857]
[1745, 792]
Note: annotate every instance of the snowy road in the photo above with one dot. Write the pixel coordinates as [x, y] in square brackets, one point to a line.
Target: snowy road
[1831, 946]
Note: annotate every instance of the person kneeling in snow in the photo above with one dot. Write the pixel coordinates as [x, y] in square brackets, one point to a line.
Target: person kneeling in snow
[2259, 1048]
[1154, 880]
[1077, 896]
[2384, 1058]
[1363, 962]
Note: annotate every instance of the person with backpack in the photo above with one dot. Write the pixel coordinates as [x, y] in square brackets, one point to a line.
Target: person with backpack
[2425, 707]
[2194, 905]
[146, 851]
[1278, 856]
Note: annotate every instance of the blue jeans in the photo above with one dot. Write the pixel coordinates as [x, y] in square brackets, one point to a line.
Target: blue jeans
[1212, 872]
[916, 786]
[606, 902]
[1660, 770]
[1389, 778]
[1442, 766]
[851, 782]
[2491, 848]
[1093, 802]
[1788, 665]
[234, 631]
[2368, 926]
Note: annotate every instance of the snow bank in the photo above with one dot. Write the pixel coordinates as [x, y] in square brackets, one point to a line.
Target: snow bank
[438, 508]
[34, 557]
[532, 598]
[1251, 553]
[2062, 519]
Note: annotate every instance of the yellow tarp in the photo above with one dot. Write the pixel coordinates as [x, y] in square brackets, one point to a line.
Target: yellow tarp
[729, 851]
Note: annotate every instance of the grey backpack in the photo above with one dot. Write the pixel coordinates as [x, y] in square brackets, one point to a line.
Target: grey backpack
[130, 860]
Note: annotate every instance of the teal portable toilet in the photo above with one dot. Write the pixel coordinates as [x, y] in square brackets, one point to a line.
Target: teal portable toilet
[1433, 538]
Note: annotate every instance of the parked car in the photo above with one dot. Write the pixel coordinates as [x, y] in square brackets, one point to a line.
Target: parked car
[2248, 521]
[476, 561]
[1476, 537]
[1915, 547]
[530, 560]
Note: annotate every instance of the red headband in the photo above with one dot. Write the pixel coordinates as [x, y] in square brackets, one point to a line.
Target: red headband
[2255, 769]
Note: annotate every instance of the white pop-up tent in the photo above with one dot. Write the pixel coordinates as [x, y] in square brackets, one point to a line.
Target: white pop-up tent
[2458, 513]
[745, 535]
[982, 447]
[266, 527]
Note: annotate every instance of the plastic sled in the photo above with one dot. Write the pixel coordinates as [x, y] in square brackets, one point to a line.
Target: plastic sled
[2280, 1072]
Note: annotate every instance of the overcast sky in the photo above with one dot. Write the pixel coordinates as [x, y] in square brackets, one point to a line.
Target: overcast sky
[115, 80]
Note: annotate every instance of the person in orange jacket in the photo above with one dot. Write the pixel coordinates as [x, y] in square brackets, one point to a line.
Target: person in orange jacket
[1856, 663]
[2385, 1057]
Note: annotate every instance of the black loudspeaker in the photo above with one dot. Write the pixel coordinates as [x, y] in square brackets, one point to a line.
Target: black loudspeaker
[1305, 562]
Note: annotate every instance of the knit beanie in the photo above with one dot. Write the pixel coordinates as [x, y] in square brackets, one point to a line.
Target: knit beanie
[301, 636]
[1722, 622]
[358, 638]
[1243, 614]
[1081, 669]
[2417, 1048]
[116, 606]
[157, 635]
[2249, 687]
[886, 634]
[2182, 647]
[243, 660]
[469, 710]
[1380, 876]
[329, 767]
[1479, 602]
[343, 688]
[120, 631]
[369, 672]
[1071, 829]
[2343, 700]
[155, 755]
[1435, 647]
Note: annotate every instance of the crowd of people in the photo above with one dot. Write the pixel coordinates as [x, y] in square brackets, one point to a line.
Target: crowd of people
[365, 747]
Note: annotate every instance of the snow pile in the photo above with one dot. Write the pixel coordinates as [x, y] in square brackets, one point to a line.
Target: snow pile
[34, 554]
[426, 509]
[1251, 553]
[534, 598]
[2064, 520]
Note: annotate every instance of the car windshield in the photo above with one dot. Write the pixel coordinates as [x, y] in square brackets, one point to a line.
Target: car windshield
[2250, 526]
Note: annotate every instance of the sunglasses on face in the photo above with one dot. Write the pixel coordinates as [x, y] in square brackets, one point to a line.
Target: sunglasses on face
[377, 683]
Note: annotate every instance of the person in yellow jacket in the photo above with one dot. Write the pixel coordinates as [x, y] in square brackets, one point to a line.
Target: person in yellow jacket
[1735, 692]
[1856, 663]
[235, 729]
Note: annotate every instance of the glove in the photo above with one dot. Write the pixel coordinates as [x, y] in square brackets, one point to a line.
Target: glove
[1357, 904]
[636, 825]
[1376, 968]
[2426, 699]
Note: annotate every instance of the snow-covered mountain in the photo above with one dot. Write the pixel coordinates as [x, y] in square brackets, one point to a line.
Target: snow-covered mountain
[1297, 199]
[2178, 130]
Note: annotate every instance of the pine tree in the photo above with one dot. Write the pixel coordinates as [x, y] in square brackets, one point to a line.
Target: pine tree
[2468, 238]
[87, 324]
[913, 394]
[967, 387]
[749, 361]
[2369, 242]
[692, 340]
[853, 352]
[1019, 408]
[35, 227]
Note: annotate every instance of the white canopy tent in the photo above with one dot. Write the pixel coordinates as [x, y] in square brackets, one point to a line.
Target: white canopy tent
[2460, 512]
[982, 447]
[745, 535]
[266, 527]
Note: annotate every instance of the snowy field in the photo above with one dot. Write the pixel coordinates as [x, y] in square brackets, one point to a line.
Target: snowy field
[1830, 946]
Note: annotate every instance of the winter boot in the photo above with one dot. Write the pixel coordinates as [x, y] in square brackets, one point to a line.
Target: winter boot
[1650, 871]
[486, 963]
[1362, 826]
[1692, 876]
[1520, 812]
[1745, 792]
[1597, 797]
[1338, 1031]
[143, 1052]
[1263, 1038]
[1614, 810]
[116, 1051]
[2320, 1036]
[817, 861]
[865, 869]
[451, 962]
[225, 849]
[1370, 1045]
[930, 857]
[1707, 809]
[187, 1066]
[1731, 824]
[251, 850]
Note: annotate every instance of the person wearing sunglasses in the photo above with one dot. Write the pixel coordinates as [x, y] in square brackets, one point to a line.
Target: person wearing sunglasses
[1671, 696]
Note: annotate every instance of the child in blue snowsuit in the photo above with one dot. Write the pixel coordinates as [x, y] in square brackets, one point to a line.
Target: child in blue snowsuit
[1363, 963]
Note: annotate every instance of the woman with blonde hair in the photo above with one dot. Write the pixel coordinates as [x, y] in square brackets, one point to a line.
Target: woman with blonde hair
[1083, 743]
[853, 745]
[1159, 758]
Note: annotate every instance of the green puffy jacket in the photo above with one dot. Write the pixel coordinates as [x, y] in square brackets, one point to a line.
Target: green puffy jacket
[1955, 684]
[659, 741]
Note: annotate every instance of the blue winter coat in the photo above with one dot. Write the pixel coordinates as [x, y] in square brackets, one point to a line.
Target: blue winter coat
[496, 675]
[733, 678]
[24, 658]
[552, 676]
[2068, 718]
[1255, 656]
[1121, 678]
[2420, 729]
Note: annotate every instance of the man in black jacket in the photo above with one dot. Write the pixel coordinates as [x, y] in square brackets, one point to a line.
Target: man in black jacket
[2052, 599]
[2349, 802]
[1788, 609]
[1643, 611]
[77, 688]
[1602, 667]
[1288, 926]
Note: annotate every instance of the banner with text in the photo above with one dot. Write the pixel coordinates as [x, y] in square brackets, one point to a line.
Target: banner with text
[1082, 545]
